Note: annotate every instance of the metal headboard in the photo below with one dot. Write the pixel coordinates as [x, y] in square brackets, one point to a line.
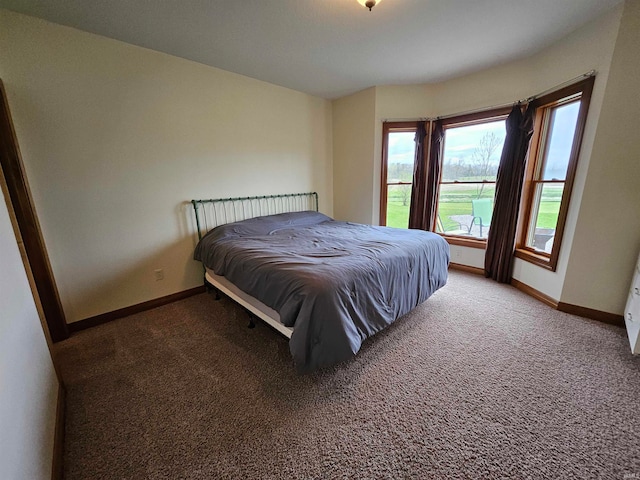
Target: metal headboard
[218, 211]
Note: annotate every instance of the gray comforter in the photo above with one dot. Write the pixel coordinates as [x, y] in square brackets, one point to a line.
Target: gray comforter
[335, 283]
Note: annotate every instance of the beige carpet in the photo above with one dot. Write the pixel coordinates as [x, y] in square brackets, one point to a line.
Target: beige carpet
[481, 381]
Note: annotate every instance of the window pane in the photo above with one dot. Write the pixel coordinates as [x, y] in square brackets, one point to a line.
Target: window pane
[562, 127]
[472, 152]
[401, 152]
[545, 211]
[465, 209]
[398, 200]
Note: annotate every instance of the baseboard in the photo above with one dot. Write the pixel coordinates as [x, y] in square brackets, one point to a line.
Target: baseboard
[544, 298]
[57, 469]
[610, 318]
[606, 317]
[519, 285]
[140, 307]
[467, 268]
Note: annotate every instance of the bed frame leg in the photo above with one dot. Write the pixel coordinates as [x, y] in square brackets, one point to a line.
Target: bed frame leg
[210, 287]
[252, 322]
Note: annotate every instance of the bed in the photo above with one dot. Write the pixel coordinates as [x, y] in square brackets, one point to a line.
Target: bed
[324, 284]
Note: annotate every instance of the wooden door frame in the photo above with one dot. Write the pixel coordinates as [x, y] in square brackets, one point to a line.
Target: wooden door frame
[28, 226]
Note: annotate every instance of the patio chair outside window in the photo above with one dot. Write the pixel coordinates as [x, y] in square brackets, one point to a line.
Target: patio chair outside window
[482, 211]
[461, 230]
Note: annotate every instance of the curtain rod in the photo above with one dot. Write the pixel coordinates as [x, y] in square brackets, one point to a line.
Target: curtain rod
[588, 74]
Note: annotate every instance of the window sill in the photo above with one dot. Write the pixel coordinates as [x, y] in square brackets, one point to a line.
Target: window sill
[540, 260]
[465, 242]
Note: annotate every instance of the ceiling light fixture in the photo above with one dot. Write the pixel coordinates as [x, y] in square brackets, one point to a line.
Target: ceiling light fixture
[369, 3]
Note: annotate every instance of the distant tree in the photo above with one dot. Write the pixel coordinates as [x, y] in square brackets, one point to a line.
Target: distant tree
[402, 172]
[393, 172]
[481, 157]
[405, 194]
[456, 168]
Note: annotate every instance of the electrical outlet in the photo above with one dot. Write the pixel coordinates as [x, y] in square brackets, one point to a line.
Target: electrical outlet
[159, 274]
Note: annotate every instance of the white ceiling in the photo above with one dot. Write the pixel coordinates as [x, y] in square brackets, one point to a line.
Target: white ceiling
[330, 48]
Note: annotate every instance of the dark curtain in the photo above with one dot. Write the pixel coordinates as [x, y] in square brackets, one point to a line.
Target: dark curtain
[498, 261]
[416, 207]
[426, 176]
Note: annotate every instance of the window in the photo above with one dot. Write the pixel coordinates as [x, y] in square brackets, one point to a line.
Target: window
[472, 148]
[398, 149]
[470, 159]
[560, 118]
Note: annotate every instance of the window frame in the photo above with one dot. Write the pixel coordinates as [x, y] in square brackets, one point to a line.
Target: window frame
[581, 90]
[387, 128]
[475, 118]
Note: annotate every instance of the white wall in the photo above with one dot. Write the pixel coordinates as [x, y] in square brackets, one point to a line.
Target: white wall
[116, 139]
[353, 150]
[607, 238]
[357, 144]
[28, 382]
[590, 47]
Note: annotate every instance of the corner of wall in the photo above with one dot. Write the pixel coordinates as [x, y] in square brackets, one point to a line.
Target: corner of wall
[607, 236]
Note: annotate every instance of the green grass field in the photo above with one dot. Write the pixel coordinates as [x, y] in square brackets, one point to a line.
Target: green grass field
[456, 200]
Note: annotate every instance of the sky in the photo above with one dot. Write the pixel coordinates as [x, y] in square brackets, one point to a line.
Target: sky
[561, 140]
[401, 147]
[460, 142]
